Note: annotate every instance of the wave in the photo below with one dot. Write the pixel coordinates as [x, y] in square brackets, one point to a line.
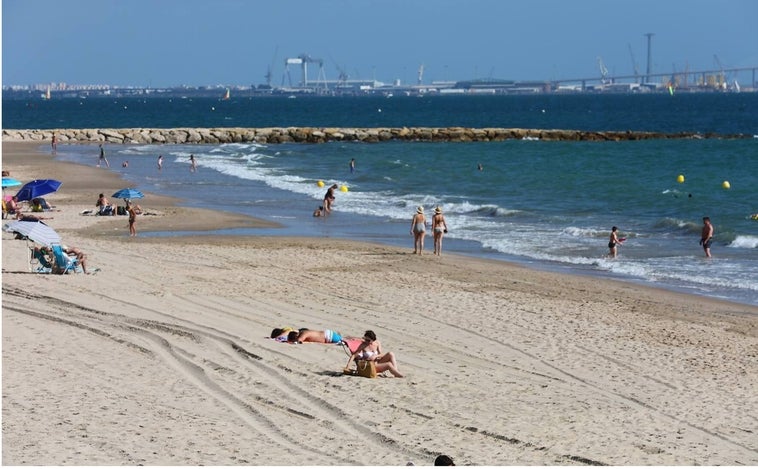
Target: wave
[676, 225]
[744, 242]
[493, 211]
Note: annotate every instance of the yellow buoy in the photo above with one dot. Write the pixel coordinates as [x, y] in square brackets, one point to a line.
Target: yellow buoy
[726, 185]
[320, 184]
[343, 188]
[680, 178]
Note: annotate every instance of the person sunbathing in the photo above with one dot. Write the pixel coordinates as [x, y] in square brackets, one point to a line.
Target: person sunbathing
[280, 333]
[78, 253]
[12, 206]
[371, 350]
[326, 336]
[29, 217]
[104, 207]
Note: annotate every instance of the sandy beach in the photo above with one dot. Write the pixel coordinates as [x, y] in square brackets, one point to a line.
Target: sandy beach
[160, 356]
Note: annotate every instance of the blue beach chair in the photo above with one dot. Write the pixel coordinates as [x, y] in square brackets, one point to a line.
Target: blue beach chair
[38, 262]
[63, 263]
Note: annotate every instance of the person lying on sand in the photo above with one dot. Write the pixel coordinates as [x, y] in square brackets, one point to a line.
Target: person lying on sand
[280, 333]
[326, 336]
[29, 217]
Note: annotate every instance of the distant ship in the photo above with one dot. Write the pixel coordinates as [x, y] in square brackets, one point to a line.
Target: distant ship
[226, 95]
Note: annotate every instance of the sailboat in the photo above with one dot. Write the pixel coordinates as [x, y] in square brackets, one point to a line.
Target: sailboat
[226, 95]
[47, 94]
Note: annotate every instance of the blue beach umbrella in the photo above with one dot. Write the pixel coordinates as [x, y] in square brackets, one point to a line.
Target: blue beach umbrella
[128, 193]
[37, 188]
[10, 182]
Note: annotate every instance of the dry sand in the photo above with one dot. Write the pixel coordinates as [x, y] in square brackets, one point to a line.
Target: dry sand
[161, 356]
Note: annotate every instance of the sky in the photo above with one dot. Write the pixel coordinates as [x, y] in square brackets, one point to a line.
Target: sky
[161, 43]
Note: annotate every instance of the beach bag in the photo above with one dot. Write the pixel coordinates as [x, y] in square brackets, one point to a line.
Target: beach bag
[120, 210]
[366, 368]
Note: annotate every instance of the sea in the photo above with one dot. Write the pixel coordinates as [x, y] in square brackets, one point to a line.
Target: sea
[543, 204]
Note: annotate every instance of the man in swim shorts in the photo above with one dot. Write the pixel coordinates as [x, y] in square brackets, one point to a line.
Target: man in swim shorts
[706, 237]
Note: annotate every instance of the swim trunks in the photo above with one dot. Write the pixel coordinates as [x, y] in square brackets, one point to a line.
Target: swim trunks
[332, 337]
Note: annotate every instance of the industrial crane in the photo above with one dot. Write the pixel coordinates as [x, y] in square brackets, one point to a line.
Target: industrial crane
[343, 76]
[269, 72]
[303, 60]
[634, 64]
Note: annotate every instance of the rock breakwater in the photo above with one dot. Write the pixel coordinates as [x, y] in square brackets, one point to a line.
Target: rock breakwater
[274, 135]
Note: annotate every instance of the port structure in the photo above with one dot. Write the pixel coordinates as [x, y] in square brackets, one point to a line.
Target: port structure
[303, 60]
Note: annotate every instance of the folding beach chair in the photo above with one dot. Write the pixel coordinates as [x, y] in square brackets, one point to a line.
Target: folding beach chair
[63, 263]
[38, 261]
[350, 344]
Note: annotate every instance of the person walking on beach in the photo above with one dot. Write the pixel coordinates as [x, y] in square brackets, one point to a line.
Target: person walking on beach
[160, 162]
[706, 236]
[193, 164]
[54, 143]
[418, 230]
[439, 227]
[613, 242]
[352, 165]
[329, 198]
[132, 218]
[102, 157]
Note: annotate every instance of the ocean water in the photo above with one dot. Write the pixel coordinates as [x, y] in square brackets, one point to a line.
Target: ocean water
[549, 205]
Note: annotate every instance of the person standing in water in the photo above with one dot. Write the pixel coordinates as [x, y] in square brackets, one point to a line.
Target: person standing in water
[193, 164]
[706, 236]
[352, 165]
[160, 162]
[613, 242]
[329, 198]
[102, 157]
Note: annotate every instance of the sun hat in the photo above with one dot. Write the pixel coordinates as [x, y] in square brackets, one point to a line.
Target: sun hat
[437, 210]
[419, 209]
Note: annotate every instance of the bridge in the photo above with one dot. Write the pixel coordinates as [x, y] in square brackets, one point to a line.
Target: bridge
[686, 79]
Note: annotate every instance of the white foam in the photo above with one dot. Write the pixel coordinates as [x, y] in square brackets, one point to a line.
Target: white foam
[744, 241]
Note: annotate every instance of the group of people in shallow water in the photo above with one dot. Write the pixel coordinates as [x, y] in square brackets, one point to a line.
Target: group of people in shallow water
[706, 239]
[370, 349]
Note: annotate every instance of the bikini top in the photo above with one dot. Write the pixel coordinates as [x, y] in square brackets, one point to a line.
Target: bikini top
[366, 354]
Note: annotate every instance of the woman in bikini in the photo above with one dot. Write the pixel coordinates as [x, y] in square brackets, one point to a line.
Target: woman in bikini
[371, 350]
[438, 228]
[418, 230]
